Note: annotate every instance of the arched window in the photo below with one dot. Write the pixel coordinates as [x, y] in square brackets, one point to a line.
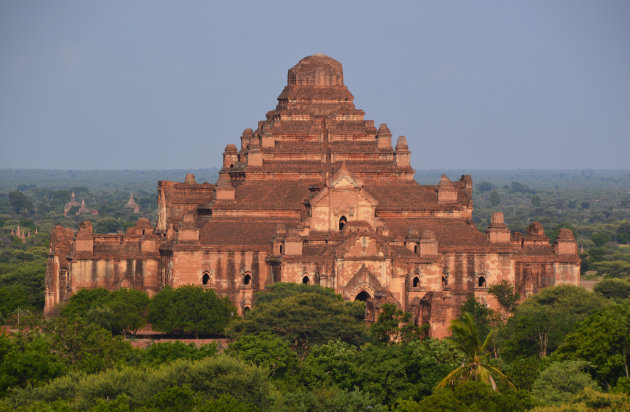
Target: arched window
[416, 282]
[342, 222]
[482, 281]
[444, 281]
[281, 249]
[305, 279]
[247, 279]
[246, 309]
[205, 279]
[415, 249]
[363, 296]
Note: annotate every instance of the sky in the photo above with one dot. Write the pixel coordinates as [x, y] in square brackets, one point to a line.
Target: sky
[167, 85]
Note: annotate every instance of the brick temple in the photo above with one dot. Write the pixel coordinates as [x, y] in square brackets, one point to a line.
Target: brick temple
[317, 194]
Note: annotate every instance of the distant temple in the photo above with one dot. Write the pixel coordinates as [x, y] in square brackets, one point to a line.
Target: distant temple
[131, 204]
[317, 194]
[82, 208]
[72, 203]
[19, 233]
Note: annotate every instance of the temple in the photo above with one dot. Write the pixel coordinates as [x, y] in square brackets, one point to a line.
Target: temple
[317, 194]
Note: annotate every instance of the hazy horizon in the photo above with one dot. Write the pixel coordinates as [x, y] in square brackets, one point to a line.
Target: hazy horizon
[154, 85]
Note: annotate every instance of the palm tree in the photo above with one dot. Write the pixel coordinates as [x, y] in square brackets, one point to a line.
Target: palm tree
[475, 367]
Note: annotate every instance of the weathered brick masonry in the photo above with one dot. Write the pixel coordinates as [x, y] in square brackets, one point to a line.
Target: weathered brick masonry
[317, 194]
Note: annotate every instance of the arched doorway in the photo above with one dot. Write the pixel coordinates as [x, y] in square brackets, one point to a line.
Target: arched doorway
[305, 280]
[247, 279]
[205, 279]
[342, 222]
[363, 296]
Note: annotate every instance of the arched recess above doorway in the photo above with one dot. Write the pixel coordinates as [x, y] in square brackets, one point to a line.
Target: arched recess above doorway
[363, 296]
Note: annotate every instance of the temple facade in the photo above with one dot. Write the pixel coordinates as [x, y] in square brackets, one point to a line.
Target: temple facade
[317, 194]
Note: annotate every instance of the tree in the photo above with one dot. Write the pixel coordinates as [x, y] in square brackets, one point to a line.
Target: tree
[603, 340]
[267, 351]
[494, 198]
[484, 317]
[190, 310]
[613, 268]
[475, 367]
[335, 363]
[535, 201]
[394, 325]
[84, 346]
[427, 362]
[600, 239]
[27, 360]
[85, 299]
[107, 224]
[541, 322]
[128, 307]
[304, 315]
[615, 289]
[505, 295]
[561, 382]
[469, 396]
[159, 353]
[485, 187]
[19, 202]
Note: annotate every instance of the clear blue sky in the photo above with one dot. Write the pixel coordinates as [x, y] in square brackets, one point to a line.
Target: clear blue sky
[472, 84]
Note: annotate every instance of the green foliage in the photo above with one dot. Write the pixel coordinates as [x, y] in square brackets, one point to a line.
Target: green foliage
[85, 346]
[394, 325]
[335, 363]
[27, 360]
[615, 289]
[266, 351]
[603, 340]
[592, 400]
[494, 198]
[541, 322]
[469, 396]
[12, 298]
[622, 234]
[535, 201]
[613, 268]
[561, 382]
[303, 315]
[329, 399]
[22, 285]
[484, 317]
[19, 202]
[523, 372]
[162, 387]
[82, 301]
[128, 307]
[190, 310]
[600, 239]
[427, 362]
[484, 187]
[165, 352]
[475, 367]
[505, 294]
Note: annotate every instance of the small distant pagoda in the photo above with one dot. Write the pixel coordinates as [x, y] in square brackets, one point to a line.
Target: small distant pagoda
[131, 204]
[84, 210]
[72, 203]
[19, 233]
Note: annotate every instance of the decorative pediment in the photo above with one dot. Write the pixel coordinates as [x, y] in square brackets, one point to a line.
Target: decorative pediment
[362, 243]
[362, 280]
[343, 177]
